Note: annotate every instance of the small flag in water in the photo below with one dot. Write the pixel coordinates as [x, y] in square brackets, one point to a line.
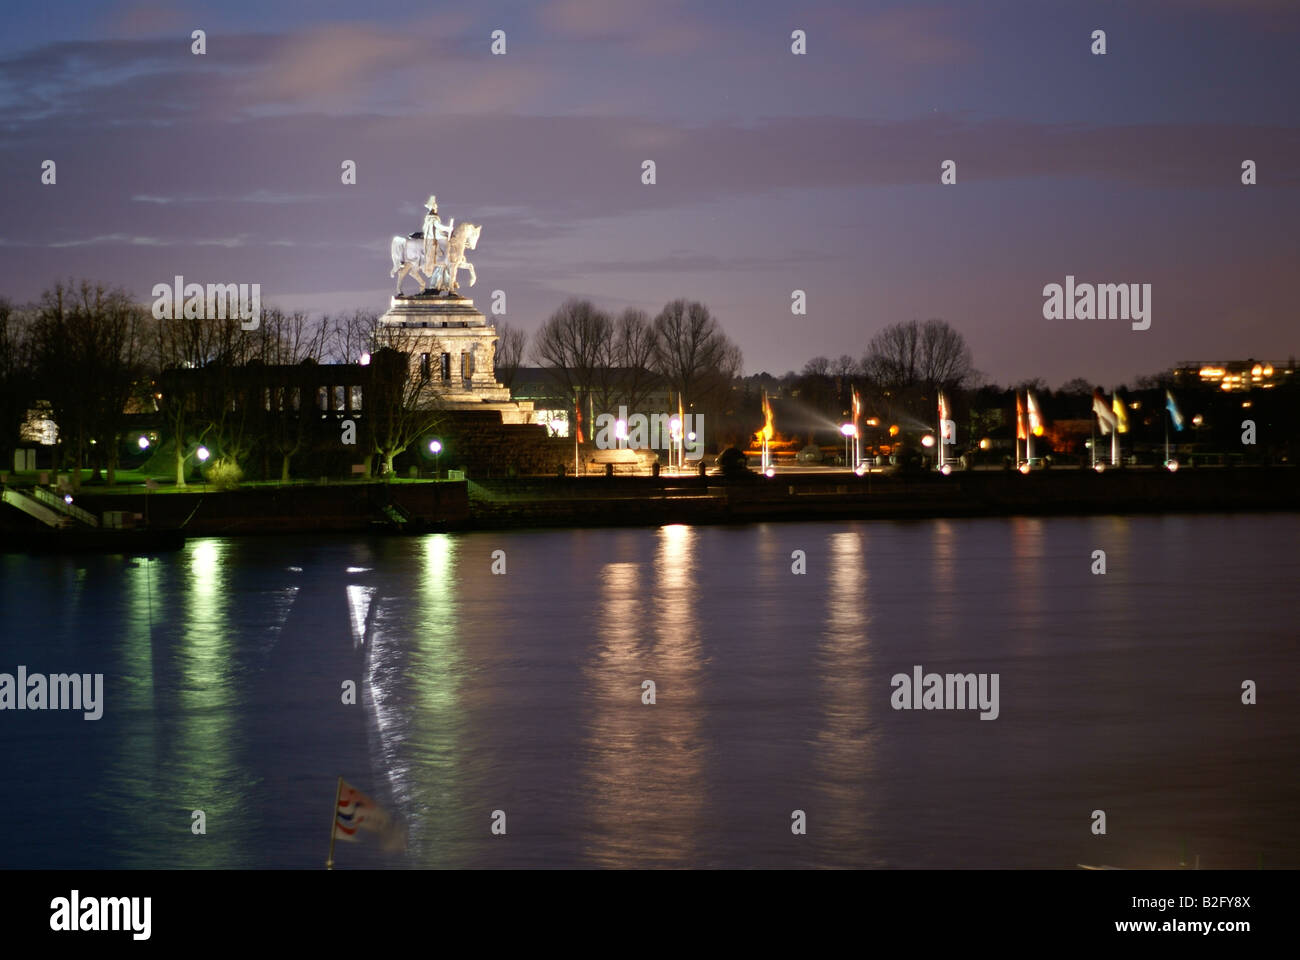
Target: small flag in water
[1174, 413]
[357, 812]
[1105, 419]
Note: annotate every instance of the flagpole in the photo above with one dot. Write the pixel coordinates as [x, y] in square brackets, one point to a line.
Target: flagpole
[940, 436]
[334, 819]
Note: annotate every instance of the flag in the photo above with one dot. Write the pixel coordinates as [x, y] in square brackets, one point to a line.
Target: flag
[1174, 413]
[357, 812]
[1021, 434]
[857, 407]
[1035, 415]
[577, 414]
[767, 432]
[1105, 419]
[1121, 413]
[945, 420]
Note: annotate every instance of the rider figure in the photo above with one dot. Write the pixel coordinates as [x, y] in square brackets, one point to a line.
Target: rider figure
[434, 231]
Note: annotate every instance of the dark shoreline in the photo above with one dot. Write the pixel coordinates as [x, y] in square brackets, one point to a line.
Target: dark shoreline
[536, 502]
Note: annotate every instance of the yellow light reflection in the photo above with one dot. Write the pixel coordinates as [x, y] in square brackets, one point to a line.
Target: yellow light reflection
[645, 773]
[846, 748]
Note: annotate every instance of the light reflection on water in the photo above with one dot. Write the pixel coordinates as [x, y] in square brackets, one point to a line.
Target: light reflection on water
[226, 664]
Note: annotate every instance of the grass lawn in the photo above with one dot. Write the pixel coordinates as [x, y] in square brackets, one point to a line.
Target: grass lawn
[132, 481]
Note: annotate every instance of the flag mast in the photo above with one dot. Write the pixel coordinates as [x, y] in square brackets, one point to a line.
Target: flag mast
[940, 433]
[1029, 430]
[334, 819]
[1114, 434]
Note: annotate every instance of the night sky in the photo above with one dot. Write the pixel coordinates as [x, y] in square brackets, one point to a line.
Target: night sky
[775, 172]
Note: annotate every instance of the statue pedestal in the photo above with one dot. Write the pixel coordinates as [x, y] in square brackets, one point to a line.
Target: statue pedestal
[460, 345]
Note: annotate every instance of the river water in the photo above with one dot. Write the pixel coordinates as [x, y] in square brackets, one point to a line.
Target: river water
[521, 692]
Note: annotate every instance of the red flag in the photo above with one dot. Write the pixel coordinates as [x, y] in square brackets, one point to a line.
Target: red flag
[356, 811]
[577, 410]
[1021, 433]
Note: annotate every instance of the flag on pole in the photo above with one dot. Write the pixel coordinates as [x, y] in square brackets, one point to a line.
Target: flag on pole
[1035, 415]
[577, 419]
[357, 812]
[1021, 433]
[857, 407]
[1105, 419]
[946, 423]
[767, 432]
[1121, 413]
[1174, 413]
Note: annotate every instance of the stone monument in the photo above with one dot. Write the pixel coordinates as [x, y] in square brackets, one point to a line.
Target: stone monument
[447, 339]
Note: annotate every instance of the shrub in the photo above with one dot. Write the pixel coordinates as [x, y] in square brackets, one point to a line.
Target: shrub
[225, 475]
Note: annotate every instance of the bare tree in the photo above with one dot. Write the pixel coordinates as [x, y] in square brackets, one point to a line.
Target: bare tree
[16, 384]
[634, 351]
[693, 354]
[914, 354]
[402, 400]
[284, 340]
[574, 344]
[1079, 386]
[87, 350]
[511, 344]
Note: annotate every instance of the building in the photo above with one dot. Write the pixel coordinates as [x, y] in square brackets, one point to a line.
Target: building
[1233, 375]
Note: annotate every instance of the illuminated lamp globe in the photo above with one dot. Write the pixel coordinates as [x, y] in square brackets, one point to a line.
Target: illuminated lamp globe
[927, 441]
[143, 443]
[1171, 466]
[1024, 468]
[946, 469]
[770, 472]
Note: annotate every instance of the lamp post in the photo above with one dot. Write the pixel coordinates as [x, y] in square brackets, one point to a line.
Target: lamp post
[202, 454]
[435, 448]
[850, 431]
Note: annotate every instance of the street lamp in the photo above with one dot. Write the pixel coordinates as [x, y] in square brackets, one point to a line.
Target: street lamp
[435, 448]
[620, 432]
[202, 454]
[849, 430]
[143, 442]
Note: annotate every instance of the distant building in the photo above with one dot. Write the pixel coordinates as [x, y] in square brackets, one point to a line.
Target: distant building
[1230, 375]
